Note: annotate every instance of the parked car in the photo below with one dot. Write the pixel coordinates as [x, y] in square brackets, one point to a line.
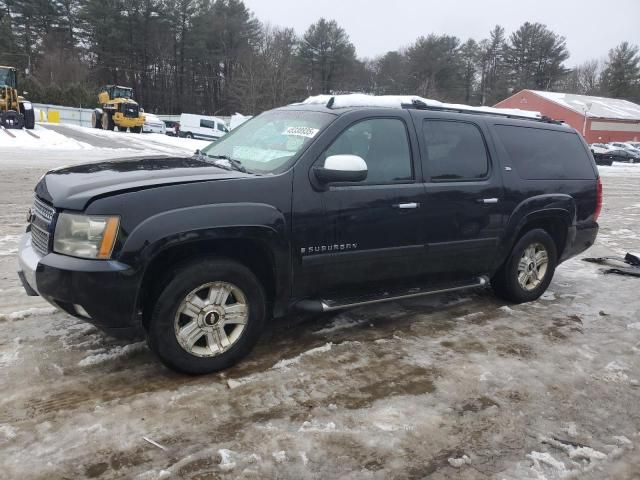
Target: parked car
[622, 155]
[202, 127]
[153, 124]
[625, 146]
[601, 146]
[312, 207]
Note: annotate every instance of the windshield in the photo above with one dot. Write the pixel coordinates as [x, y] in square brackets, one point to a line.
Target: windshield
[7, 77]
[121, 92]
[269, 142]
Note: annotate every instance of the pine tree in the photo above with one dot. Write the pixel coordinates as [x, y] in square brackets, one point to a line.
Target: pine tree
[326, 56]
[621, 76]
[535, 56]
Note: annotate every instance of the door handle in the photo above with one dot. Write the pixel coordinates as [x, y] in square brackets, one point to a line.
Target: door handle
[406, 206]
[487, 200]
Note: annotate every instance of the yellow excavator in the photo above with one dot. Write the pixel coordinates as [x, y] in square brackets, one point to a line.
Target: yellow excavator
[15, 110]
[117, 109]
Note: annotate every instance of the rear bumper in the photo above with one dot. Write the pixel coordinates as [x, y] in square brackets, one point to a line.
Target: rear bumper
[97, 291]
[581, 237]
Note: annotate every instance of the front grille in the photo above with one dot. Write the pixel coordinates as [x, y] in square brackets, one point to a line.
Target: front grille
[41, 219]
[129, 110]
[43, 210]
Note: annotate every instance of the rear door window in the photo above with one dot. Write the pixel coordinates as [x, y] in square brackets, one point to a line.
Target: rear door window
[455, 151]
[541, 154]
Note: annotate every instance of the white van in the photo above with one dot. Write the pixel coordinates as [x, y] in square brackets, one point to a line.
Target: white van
[201, 126]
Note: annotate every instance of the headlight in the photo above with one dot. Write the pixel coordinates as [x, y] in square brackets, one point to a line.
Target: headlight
[87, 236]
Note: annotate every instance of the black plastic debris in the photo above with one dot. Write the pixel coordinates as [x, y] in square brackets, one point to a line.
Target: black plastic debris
[631, 264]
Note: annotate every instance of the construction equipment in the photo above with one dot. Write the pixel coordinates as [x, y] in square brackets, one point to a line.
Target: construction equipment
[117, 109]
[15, 111]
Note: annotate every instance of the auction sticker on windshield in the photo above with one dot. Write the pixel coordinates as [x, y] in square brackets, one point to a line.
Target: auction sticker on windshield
[308, 132]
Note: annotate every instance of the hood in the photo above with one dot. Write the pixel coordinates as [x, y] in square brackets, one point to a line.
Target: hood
[74, 187]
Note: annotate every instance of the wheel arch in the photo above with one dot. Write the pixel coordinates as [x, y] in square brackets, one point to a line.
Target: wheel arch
[556, 214]
[253, 253]
[251, 233]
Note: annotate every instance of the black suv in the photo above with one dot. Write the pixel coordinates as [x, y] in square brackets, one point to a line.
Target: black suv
[312, 207]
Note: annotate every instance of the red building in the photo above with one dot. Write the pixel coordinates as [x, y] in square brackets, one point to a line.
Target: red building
[599, 119]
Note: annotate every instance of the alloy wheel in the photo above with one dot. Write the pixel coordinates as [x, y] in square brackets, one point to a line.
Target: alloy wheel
[532, 266]
[211, 319]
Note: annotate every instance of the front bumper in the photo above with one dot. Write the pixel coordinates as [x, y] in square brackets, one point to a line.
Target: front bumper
[97, 291]
[122, 121]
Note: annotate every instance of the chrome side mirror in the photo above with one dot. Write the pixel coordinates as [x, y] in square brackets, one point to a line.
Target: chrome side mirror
[342, 168]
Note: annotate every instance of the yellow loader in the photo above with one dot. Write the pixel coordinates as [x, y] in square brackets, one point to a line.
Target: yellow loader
[15, 111]
[117, 109]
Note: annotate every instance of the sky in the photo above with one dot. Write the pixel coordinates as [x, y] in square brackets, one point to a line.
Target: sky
[375, 27]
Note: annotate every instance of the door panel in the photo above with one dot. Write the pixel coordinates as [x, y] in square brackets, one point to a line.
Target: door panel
[369, 231]
[463, 200]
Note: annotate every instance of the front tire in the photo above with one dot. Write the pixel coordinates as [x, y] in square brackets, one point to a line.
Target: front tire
[208, 316]
[107, 121]
[29, 117]
[528, 271]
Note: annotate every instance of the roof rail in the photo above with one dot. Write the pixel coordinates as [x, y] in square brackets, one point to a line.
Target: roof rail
[420, 105]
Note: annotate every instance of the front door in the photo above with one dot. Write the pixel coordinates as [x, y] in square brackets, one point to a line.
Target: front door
[463, 201]
[372, 230]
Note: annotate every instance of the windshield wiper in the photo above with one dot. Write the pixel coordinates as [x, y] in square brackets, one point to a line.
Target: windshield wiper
[230, 163]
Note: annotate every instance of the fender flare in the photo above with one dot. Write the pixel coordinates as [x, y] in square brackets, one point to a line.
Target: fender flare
[256, 222]
[539, 207]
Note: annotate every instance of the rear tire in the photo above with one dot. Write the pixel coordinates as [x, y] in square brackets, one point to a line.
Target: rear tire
[188, 135]
[528, 271]
[207, 317]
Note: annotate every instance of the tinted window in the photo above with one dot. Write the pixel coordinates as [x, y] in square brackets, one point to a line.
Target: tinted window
[455, 151]
[383, 144]
[207, 123]
[538, 154]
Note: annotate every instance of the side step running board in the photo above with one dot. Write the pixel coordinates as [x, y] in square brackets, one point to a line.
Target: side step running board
[328, 305]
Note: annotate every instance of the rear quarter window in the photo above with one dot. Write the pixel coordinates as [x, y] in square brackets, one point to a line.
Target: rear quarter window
[540, 154]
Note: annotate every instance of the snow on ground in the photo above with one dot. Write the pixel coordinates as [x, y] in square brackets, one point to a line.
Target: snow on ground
[39, 138]
[454, 386]
[59, 145]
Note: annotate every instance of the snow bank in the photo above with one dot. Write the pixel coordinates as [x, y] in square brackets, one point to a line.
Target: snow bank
[45, 139]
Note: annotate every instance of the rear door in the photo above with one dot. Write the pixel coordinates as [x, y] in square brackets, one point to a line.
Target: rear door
[462, 211]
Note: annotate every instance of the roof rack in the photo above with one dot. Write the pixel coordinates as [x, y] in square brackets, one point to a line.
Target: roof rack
[420, 105]
[360, 100]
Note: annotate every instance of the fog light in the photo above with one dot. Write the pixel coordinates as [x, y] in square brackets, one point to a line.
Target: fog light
[81, 311]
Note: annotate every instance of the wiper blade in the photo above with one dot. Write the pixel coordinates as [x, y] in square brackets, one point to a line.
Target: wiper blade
[233, 163]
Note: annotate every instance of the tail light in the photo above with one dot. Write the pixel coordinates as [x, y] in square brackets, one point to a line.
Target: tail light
[596, 213]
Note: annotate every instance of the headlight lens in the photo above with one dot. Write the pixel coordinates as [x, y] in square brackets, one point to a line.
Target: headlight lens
[86, 236]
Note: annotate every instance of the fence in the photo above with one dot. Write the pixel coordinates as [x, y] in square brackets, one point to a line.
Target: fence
[82, 116]
[58, 114]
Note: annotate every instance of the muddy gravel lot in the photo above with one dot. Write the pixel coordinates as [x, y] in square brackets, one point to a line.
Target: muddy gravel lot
[455, 386]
